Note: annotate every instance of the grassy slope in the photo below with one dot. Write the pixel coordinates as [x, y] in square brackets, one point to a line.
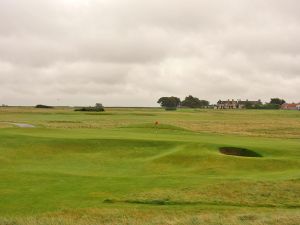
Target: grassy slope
[75, 163]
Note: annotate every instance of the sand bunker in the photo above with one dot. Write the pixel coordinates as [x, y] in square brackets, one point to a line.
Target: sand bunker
[21, 125]
[239, 152]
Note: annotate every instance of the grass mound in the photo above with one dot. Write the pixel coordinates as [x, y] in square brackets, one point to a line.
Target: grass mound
[239, 152]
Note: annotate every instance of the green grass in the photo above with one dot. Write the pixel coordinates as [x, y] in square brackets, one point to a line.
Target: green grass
[117, 167]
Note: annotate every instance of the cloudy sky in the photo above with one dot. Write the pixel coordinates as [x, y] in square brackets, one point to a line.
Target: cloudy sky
[131, 52]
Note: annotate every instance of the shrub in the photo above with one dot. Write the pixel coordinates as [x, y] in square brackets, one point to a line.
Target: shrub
[43, 107]
[271, 106]
[90, 109]
[170, 108]
[97, 108]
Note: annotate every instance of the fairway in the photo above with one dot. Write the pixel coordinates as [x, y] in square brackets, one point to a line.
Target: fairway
[118, 167]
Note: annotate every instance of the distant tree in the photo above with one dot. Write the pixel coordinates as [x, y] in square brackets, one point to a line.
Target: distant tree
[169, 103]
[277, 101]
[204, 103]
[193, 102]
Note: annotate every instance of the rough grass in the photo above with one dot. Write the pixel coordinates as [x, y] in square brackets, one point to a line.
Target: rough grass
[120, 168]
[260, 123]
[159, 217]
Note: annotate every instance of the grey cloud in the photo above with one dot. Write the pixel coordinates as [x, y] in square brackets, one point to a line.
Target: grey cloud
[130, 52]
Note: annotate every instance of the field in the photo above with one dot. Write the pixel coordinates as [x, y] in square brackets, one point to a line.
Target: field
[118, 167]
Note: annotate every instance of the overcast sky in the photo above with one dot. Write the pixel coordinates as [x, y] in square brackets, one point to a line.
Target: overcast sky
[131, 52]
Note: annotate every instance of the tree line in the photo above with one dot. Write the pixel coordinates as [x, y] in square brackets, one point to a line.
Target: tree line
[172, 103]
[275, 103]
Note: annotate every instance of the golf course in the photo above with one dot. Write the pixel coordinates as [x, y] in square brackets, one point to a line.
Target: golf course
[149, 166]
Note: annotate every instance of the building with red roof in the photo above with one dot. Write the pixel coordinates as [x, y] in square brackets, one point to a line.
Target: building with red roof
[290, 106]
